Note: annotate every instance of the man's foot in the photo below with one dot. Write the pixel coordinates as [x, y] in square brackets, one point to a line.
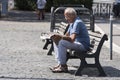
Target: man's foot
[61, 68]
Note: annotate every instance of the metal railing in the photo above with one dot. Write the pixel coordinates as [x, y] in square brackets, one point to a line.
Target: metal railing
[102, 8]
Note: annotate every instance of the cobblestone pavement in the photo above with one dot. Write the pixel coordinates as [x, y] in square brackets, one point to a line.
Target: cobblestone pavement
[22, 56]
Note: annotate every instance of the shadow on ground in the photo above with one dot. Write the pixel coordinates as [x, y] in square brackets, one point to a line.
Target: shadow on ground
[93, 72]
[90, 72]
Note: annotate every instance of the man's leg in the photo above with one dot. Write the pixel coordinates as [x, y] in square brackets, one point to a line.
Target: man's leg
[62, 49]
[118, 9]
[115, 10]
[38, 13]
[43, 16]
[56, 51]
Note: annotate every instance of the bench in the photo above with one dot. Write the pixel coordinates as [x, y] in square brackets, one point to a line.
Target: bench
[94, 52]
[57, 17]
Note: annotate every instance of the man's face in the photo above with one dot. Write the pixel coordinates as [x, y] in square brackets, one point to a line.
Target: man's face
[69, 18]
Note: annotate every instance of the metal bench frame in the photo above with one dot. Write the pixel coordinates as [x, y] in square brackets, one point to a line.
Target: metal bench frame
[83, 55]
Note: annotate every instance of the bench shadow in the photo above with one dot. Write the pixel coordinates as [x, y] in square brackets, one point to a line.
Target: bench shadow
[93, 72]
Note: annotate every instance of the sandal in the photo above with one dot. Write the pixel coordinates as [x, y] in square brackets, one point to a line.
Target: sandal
[60, 69]
[52, 68]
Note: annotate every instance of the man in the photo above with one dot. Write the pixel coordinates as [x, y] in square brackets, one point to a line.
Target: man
[76, 38]
[41, 5]
[116, 8]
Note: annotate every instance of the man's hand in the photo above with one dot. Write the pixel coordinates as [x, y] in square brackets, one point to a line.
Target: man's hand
[56, 38]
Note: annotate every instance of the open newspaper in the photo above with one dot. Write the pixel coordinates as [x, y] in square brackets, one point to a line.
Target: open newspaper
[55, 37]
[51, 35]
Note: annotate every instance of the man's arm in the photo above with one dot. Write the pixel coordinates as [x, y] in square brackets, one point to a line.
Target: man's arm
[69, 38]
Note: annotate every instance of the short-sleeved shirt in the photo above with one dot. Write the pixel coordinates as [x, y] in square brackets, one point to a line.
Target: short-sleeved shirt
[79, 28]
[41, 4]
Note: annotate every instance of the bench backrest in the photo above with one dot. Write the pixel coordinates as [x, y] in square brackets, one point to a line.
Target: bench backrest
[57, 15]
[61, 28]
[100, 44]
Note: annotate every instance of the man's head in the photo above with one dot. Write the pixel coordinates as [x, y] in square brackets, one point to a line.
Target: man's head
[70, 14]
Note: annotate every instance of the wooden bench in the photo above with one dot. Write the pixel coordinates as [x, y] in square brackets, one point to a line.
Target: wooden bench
[94, 52]
[58, 23]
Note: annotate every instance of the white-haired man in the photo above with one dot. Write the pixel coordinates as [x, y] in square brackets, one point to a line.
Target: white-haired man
[76, 38]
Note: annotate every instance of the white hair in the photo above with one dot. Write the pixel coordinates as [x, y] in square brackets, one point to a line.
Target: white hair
[70, 11]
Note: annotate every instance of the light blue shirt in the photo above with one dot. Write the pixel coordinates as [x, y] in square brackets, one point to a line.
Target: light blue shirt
[79, 28]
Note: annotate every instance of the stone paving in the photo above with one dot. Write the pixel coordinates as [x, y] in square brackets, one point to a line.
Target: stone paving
[22, 56]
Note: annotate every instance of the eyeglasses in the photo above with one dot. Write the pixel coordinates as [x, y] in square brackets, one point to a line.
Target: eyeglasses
[67, 17]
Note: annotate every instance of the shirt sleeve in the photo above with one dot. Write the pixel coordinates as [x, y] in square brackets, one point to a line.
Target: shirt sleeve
[76, 28]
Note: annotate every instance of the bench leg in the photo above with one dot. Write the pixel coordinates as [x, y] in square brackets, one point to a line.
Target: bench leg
[84, 65]
[48, 41]
[50, 50]
[81, 67]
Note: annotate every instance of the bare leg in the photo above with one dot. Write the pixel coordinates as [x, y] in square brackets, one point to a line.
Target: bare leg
[43, 16]
[38, 13]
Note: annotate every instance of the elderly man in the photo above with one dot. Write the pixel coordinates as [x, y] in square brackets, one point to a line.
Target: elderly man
[76, 38]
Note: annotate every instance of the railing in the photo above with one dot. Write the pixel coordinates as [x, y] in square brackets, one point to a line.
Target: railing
[104, 9]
